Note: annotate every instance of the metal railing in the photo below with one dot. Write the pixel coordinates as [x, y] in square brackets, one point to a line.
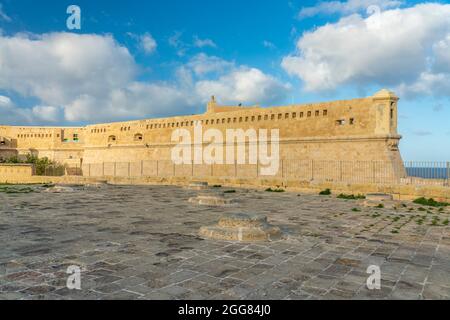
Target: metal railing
[376, 172]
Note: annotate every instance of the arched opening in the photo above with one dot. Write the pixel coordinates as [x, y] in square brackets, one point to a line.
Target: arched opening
[112, 139]
[138, 137]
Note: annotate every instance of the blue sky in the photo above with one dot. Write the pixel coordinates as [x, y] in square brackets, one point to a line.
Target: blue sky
[136, 59]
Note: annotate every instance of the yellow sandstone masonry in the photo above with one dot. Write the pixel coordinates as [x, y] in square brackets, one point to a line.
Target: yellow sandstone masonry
[358, 129]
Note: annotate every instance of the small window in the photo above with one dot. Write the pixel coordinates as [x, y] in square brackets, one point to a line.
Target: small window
[309, 113]
[272, 117]
[207, 121]
[253, 118]
[325, 112]
[240, 119]
[266, 117]
[112, 139]
[138, 137]
[301, 114]
[234, 119]
[294, 115]
[229, 120]
[259, 118]
[392, 113]
[286, 116]
[280, 116]
[223, 120]
[317, 113]
[352, 121]
[340, 122]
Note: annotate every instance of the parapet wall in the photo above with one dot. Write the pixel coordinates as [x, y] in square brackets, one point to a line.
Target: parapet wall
[16, 172]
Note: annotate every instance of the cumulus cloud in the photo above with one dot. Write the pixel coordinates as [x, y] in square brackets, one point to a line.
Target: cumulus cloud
[244, 85]
[405, 49]
[3, 15]
[148, 43]
[82, 77]
[57, 67]
[46, 113]
[203, 64]
[346, 7]
[201, 43]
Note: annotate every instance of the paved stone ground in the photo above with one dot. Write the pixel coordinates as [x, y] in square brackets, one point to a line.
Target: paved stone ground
[137, 242]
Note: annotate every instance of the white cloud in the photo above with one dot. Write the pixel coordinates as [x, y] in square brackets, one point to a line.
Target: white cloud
[148, 43]
[46, 113]
[5, 102]
[405, 49]
[346, 7]
[244, 85]
[268, 44]
[58, 67]
[93, 78]
[3, 15]
[203, 64]
[201, 43]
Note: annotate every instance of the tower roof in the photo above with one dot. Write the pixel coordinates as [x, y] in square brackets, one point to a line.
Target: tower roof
[385, 94]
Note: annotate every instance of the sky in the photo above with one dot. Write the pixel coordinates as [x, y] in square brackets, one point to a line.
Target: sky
[139, 59]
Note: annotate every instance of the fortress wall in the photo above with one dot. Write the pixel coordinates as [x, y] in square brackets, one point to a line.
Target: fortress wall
[57, 144]
[348, 130]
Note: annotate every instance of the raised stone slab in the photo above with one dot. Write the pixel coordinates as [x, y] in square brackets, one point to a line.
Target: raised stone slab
[379, 200]
[198, 185]
[211, 200]
[59, 189]
[242, 227]
[379, 197]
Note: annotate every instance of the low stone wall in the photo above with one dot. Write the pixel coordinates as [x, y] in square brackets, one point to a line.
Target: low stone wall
[399, 191]
[10, 173]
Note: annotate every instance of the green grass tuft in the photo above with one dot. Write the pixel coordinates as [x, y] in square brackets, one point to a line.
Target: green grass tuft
[351, 196]
[275, 190]
[325, 192]
[431, 202]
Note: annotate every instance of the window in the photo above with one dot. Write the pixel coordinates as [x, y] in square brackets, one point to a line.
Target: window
[286, 116]
[266, 117]
[207, 121]
[246, 119]
[325, 112]
[340, 122]
[138, 137]
[280, 116]
[75, 137]
[240, 119]
[253, 118]
[259, 118]
[112, 139]
[301, 114]
[309, 113]
[272, 117]
[352, 121]
[294, 115]
[392, 113]
[317, 113]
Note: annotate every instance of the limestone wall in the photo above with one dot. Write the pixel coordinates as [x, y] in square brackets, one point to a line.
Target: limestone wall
[348, 130]
[13, 172]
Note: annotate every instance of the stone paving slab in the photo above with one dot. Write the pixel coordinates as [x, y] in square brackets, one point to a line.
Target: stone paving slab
[141, 242]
